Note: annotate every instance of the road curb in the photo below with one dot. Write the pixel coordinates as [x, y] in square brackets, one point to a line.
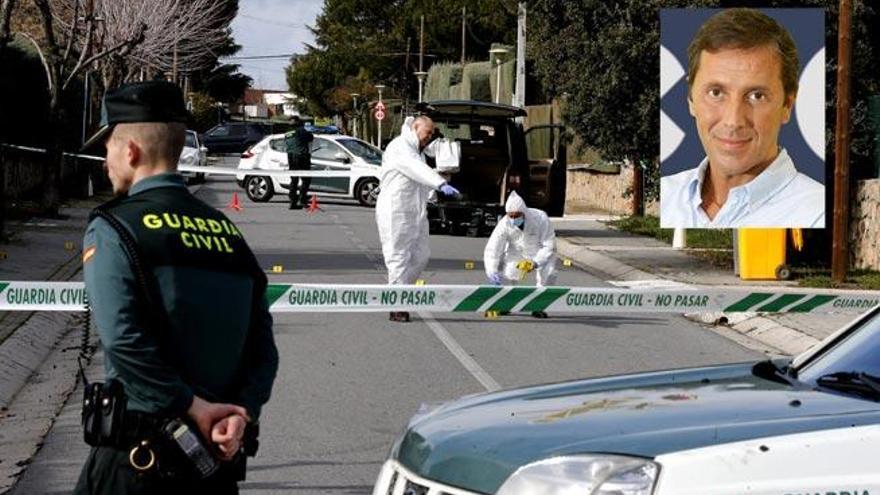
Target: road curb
[758, 328]
[599, 264]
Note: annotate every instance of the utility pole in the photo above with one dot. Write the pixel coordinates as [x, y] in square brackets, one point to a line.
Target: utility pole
[422, 45]
[174, 65]
[406, 79]
[421, 74]
[840, 240]
[463, 37]
[519, 97]
[86, 102]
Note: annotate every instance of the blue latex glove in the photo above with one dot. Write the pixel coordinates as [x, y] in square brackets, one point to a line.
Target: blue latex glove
[448, 190]
[495, 278]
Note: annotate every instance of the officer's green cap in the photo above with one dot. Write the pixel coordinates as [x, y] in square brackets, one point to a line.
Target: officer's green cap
[150, 101]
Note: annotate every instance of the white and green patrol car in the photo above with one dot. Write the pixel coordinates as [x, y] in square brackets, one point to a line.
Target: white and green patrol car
[330, 152]
[808, 425]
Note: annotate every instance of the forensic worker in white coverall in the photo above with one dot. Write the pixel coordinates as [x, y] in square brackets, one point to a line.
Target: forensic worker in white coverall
[405, 183]
[523, 242]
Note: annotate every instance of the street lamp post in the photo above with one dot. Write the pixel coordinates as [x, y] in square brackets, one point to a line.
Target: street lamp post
[421, 75]
[379, 88]
[498, 53]
[354, 118]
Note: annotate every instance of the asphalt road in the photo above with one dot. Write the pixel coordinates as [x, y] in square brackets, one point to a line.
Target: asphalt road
[347, 383]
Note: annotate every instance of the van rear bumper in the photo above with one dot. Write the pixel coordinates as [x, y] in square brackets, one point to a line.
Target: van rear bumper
[463, 218]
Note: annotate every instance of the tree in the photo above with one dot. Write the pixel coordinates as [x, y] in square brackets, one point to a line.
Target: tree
[66, 46]
[6, 8]
[119, 38]
[178, 36]
[604, 56]
[224, 83]
[377, 41]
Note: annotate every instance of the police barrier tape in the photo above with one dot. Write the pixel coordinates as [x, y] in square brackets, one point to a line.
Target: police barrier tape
[71, 296]
[265, 173]
[218, 170]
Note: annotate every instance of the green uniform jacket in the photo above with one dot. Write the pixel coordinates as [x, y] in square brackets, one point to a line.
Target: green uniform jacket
[298, 143]
[219, 344]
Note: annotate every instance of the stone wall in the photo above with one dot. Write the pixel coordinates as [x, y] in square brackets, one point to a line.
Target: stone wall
[21, 175]
[605, 190]
[864, 227]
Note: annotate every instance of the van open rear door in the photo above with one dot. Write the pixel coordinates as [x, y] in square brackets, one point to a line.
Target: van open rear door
[546, 151]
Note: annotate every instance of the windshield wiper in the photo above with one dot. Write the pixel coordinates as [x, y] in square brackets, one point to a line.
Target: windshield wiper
[855, 381]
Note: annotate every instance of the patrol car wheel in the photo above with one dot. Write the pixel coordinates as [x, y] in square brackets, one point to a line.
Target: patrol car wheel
[258, 189]
[366, 191]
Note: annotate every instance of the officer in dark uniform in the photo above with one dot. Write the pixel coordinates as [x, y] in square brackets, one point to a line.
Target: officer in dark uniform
[299, 157]
[180, 304]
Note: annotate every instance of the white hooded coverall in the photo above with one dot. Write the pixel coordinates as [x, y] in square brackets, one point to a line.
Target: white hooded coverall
[405, 182]
[509, 244]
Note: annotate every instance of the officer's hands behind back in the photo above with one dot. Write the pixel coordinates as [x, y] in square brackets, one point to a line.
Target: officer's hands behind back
[206, 415]
[227, 434]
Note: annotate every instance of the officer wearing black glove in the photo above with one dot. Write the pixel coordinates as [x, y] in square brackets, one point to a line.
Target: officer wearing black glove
[180, 304]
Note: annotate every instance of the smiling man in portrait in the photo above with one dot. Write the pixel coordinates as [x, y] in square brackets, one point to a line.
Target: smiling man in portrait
[742, 85]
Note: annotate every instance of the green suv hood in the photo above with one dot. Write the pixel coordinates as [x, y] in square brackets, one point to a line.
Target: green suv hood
[477, 442]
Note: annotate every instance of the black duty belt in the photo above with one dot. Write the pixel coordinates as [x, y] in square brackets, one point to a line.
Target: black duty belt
[138, 426]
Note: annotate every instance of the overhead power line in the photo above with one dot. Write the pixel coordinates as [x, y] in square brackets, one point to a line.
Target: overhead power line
[261, 57]
[273, 22]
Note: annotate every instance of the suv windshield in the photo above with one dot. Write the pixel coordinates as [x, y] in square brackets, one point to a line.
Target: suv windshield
[858, 353]
[363, 150]
[190, 140]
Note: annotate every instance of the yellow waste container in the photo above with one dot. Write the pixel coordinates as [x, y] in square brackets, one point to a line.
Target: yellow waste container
[762, 254]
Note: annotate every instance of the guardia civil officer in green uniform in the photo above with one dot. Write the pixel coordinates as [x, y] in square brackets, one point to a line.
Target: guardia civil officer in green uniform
[181, 310]
[298, 143]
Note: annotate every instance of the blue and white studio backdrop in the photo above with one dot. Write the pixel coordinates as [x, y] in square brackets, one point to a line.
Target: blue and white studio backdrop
[803, 136]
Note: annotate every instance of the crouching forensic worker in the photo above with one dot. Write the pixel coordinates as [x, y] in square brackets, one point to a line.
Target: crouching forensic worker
[405, 183]
[523, 242]
[187, 370]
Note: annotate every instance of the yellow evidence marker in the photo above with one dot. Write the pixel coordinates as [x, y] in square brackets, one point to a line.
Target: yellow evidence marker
[277, 269]
[420, 282]
[68, 245]
[491, 315]
[468, 265]
[566, 262]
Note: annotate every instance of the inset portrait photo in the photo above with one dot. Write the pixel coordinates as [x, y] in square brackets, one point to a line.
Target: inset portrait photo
[742, 118]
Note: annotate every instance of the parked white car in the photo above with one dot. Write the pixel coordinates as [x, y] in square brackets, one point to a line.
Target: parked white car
[193, 154]
[332, 152]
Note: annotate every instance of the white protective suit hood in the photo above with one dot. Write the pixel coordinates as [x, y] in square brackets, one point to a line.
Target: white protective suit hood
[408, 134]
[515, 203]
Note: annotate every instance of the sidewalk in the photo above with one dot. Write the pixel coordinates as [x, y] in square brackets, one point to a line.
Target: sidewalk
[620, 256]
[37, 350]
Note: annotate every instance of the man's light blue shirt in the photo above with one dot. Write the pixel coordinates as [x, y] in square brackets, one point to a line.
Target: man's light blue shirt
[780, 196]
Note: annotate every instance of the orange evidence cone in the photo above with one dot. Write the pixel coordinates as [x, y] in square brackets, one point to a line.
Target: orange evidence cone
[313, 204]
[234, 204]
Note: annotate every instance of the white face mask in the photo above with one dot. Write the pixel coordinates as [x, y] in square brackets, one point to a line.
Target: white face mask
[518, 221]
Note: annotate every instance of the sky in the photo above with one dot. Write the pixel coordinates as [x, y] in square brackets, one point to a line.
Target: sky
[272, 27]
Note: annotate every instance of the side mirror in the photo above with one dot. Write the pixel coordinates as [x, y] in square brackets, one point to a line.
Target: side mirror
[341, 157]
[203, 149]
